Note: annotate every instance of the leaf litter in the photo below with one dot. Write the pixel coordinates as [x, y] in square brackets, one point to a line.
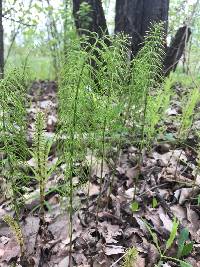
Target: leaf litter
[167, 189]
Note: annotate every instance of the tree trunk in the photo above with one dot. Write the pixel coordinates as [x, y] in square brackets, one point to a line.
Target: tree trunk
[176, 49]
[1, 43]
[134, 17]
[93, 21]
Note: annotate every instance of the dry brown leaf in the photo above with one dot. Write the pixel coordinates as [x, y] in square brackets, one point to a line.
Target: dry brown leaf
[114, 250]
[197, 182]
[93, 189]
[96, 166]
[109, 232]
[129, 193]
[167, 222]
[171, 112]
[32, 162]
[64, 262]
[162, 148]
[152, 253]
[173, 156]
[120, 170]
[140, 262]
[2, 252]
[179, 212]
[132, 173]
[193, 262]
[46, 104]
[9, 251]
[80, 259]
[185, 194]
[194, 226]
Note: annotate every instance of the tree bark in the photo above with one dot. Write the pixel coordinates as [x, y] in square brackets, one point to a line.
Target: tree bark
[96, 21]
[1, 43]
[92, 22]
[176, 49]
[134, 17]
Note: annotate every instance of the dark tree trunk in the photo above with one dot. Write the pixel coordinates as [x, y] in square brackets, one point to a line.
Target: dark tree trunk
[176, 49]
[94, 21]
[1, 43]
[134, 18]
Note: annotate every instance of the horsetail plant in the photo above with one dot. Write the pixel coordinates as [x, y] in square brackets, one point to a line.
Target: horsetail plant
[93, 101]
[84, 110]
[145, 89]
[14, 146]
[186, 120]
[130, 258]
[40, 152]
[106, 77]
[146, 77]
[71, 119]
[13, 133]
[157, 105]
[15, 228]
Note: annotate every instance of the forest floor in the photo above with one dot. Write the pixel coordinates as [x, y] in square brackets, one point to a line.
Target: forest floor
[168, 187]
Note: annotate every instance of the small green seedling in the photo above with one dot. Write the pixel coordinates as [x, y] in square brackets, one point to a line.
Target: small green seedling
[198, 200]
[154, 203]
[130, 257]
[134, 206]
[184, 248]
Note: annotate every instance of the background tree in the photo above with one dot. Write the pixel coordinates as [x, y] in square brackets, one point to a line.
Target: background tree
[20, 22]
[40, 32]
[89, 17]
[134, 17]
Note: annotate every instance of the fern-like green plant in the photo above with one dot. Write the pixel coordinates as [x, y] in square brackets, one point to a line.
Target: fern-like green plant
[189, 104]
[15, 228]
[40, 152]
[156, 108]
[146, 92]
[86, 111]
[130, 257]
[71, 120]
[13, 133]
[146, 78]
[98, 102]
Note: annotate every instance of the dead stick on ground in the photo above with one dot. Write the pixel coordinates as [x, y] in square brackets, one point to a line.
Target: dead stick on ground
[119, 259]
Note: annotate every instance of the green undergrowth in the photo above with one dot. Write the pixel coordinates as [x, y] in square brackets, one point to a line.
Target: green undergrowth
[104, 102]
[185, 80]
[13, 138]
[40, 67]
